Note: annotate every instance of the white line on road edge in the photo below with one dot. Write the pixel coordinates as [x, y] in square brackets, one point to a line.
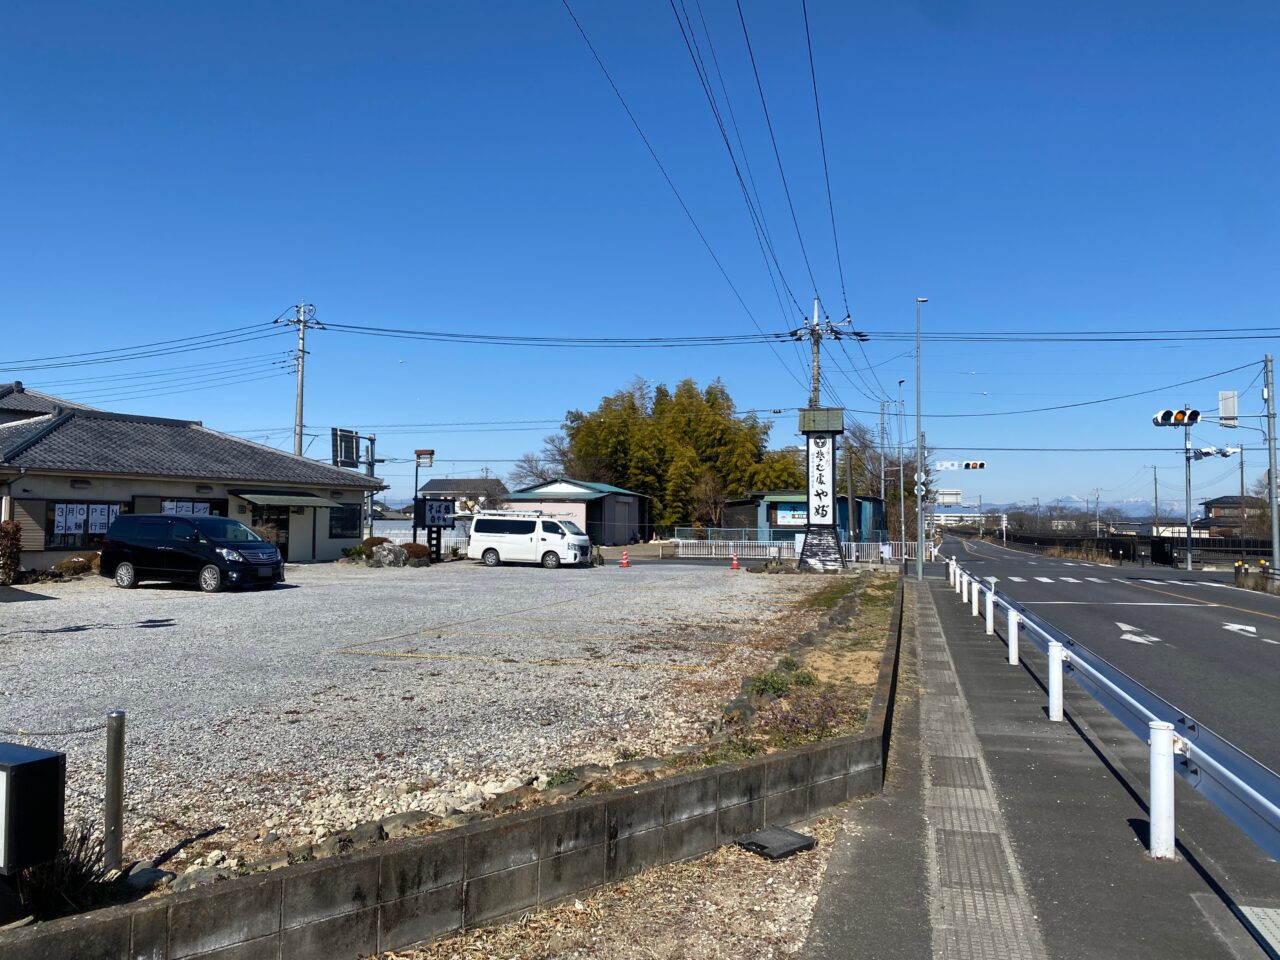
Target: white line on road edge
[1109, 603]
[1045, 579]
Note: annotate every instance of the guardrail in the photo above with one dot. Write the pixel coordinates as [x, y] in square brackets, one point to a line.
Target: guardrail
[1244, 790]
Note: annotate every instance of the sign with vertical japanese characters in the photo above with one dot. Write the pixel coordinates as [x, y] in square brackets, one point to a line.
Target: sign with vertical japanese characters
[822, 480]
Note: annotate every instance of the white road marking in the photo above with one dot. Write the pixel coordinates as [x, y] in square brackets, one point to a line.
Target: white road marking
[1067, 563]
[1095, 580]
[1018, 579]
[1108, 603]
[1130, 633]
[1045, 579]
[1156, 582]
[1068, 579]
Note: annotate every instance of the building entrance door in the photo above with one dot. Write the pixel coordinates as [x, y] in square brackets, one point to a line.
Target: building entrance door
[273, 523]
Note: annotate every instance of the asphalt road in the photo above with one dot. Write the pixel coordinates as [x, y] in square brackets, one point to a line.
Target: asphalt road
[1205, 646]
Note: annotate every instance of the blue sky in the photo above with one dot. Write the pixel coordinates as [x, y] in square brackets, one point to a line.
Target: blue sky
[172, 170]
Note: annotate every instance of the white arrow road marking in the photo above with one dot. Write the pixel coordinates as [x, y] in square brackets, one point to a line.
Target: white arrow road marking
[1131, 634]
[1248, 631]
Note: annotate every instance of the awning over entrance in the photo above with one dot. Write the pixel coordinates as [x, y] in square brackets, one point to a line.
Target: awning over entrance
[283, 498]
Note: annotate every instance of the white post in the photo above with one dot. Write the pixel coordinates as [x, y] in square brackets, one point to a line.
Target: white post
[959, 578]
[1161, 791]
[974, 590]
[991, 606]
[951, 571]
[964, 588]
[1055, 680]
[1012, 633]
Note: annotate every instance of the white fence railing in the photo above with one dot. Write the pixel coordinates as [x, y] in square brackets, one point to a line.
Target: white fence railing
[446, 543]
[1244, 790]
[786, 550]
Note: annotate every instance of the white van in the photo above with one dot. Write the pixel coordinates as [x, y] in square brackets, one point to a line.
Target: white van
[499, 536]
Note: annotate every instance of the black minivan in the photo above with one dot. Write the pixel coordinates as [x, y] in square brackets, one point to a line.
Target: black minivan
[213, 552]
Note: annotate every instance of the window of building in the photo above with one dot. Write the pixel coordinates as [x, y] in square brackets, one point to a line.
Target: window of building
[344, 522]
[78, 525]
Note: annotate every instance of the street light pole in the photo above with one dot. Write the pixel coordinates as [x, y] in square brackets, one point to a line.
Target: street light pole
[920, 301]
[1270, 385]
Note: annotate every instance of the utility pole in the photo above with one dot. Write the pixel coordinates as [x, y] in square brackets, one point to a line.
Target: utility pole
[1187, 433]
[980, 517]
[1155, 489]
[304, 317]
[1097, 513]
[815, 330]
[1037, 502]
[902, 498]
[882, 403]
[848, 484]
[920, 301]
[1269, 384]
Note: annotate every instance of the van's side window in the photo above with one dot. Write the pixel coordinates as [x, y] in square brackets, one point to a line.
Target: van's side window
[183, 531]
[549, 526]
[512, 527]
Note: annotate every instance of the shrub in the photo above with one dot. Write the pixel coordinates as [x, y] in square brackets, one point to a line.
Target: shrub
[353, 551]
[10, 550]
[77, 565]
[775, 683]
[71, 882]
[810, 716]
[417, 551]
[370, 542]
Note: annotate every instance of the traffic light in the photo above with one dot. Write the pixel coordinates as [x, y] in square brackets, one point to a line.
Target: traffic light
[975, 464]
[1176, 418]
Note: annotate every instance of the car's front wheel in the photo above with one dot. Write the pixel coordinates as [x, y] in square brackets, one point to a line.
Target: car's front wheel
[210, 578]
[126, 576]
[551, 559]
[491, 558]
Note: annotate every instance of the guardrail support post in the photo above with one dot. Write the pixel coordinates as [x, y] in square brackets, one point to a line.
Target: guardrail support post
[974, 590]
[951, 571]
[113, 832]
[991, 606]
[1162, 840]
[1012, 635]
[964, 588]
[1055, 681]
[959, 579]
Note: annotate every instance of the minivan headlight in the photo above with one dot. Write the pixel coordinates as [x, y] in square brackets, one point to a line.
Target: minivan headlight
[228, 554]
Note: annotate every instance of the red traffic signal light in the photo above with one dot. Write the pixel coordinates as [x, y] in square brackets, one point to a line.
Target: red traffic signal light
[975, 464]
[1176, 418]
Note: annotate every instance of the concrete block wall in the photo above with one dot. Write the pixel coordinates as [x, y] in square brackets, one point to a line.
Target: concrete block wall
[418, 889]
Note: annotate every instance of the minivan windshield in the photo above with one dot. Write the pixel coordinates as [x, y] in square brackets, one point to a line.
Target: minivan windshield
[572, 528]
[225, 530]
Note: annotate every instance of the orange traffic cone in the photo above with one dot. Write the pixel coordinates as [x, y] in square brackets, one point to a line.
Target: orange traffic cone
[626, 561]
[734, 565]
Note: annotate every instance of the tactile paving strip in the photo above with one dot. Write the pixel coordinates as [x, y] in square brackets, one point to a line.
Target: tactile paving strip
[979, 907]
[1266, 920]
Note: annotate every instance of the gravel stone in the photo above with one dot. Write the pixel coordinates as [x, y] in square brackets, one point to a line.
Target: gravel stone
[304, 709]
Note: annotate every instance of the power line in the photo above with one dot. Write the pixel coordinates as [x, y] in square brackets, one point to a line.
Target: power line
[224, 340]
[141, 346]
[671, 183]
[1088, 336]
[746, 36]
[487, 339]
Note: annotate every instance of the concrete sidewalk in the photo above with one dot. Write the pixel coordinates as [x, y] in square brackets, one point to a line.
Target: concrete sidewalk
[1001, 834]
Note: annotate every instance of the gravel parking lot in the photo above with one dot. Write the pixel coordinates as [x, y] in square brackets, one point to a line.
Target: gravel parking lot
[352, 693]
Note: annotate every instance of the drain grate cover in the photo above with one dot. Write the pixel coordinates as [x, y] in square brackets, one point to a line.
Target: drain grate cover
[776, 843]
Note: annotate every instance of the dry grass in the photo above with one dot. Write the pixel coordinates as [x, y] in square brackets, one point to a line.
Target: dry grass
[727, 904]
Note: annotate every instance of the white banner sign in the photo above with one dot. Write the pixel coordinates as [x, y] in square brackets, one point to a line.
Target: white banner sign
[99, 517]
[822, 479]
[947, 465]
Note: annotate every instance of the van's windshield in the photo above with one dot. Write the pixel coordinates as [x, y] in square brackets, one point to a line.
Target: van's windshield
[572, 528]
[224, 529]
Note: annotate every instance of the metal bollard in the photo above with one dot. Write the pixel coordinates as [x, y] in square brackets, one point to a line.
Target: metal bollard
[113, 831]
[991, 606]
[1012, 637]
[1162, 841]
[974, 590]
[1055, 680]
